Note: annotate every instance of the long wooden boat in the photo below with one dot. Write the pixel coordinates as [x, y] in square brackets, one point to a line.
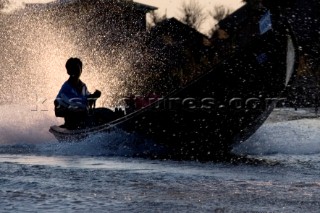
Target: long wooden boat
[220, 108]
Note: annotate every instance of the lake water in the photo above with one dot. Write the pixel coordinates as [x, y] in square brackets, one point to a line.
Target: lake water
[99, 174]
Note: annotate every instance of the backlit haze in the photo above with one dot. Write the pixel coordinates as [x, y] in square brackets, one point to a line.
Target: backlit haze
[35, 51]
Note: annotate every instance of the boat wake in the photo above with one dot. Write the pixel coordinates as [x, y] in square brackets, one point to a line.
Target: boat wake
[116, 143]
[296, 137]
[26, 132]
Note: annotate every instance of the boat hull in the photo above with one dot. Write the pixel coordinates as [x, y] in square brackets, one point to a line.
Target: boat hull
[220, 108]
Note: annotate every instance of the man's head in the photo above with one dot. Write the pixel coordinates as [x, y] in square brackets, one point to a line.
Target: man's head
[74, 67]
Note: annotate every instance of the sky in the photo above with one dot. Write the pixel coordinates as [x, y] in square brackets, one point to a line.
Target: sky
[171, 8]
[172, 5]
[168, 7]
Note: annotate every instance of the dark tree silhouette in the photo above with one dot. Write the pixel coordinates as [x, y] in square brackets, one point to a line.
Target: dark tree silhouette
[155, 18]
[192, 14]
[253, 2]
[219, 13]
